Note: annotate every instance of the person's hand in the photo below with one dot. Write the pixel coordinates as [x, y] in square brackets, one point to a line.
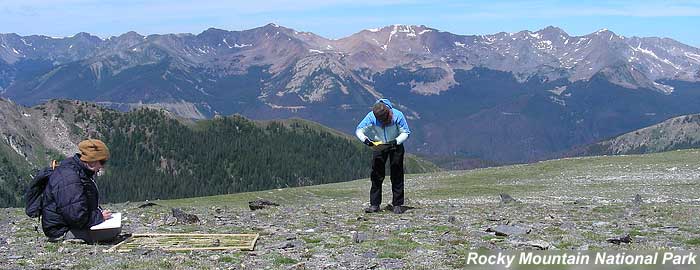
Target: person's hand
[369, 142]
[392, 142]
[106, 214]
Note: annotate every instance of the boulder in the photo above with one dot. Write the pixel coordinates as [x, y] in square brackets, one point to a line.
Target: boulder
[260, 204]
[509, 230]
[183, 217]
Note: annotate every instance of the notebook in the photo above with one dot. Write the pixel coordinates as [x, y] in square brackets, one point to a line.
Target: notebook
[114, 222]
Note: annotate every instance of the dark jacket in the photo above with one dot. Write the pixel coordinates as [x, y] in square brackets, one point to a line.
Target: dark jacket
[70, 199]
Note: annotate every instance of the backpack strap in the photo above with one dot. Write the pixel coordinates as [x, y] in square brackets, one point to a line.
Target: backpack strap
[54, 164]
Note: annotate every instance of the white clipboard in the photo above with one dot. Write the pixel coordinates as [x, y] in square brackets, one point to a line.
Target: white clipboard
[114, 222]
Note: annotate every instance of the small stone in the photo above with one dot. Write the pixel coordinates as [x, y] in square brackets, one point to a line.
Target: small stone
[494, 218]
[617, 240]
[539, 244]
[669, 229]
[638, 199]
[358, 237]
[369, 254]
[505, 198]
[310, 231]
[451, 219]
[286, 245]
[142, 251]
[567, 225]
[600, 224]
[15, 257]
[508, 230]
[214, 257]
[298, 266]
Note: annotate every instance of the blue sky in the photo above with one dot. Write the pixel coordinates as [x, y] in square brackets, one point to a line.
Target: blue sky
[339, 18]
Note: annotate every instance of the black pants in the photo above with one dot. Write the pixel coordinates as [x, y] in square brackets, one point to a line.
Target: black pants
[379, 158]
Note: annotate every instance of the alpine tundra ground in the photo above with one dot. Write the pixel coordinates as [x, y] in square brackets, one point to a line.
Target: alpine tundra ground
[615, 203]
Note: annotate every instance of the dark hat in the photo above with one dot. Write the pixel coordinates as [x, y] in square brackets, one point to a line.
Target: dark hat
[93, 150]
[382, 113]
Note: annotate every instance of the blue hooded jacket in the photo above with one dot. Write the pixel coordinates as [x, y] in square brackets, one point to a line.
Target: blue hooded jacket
[371, 128]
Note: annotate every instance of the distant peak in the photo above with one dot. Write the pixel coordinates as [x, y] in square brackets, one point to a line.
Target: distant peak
[605, 34]
[410, 30]
[552, 29]
[84, 35]
[131, 34]
[275, 27]
[213, 31]
[603, 31]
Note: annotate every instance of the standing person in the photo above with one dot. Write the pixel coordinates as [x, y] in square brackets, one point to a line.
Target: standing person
[71, 203]
[385, 129]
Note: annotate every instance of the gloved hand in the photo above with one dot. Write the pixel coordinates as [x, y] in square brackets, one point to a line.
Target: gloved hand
[392, 142]
[369, 142]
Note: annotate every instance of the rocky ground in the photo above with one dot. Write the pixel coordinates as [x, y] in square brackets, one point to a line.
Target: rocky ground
[602, 203]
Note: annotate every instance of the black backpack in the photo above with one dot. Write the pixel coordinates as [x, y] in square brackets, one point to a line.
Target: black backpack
[34, 195]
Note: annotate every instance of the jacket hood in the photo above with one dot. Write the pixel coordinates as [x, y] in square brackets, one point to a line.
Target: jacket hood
[386, 102]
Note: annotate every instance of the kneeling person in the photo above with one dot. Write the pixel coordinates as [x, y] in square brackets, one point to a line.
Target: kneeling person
[71, 199]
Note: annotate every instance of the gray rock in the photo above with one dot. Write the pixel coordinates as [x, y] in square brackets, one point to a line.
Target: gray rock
[370, 254]
[15, 257]
[286, 245]
[358, 237]
[509, 230]
[539, 244]
[622, 239]
[568, 225]
[260, 204]
[669, 229]
[600, 224]
[298, 266]
[149, 204]
[183, 217]
[505, 198]
[638, 199]
[392, 264]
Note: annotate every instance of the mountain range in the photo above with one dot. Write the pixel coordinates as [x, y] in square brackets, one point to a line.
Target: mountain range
[504, 98]
[680, 132]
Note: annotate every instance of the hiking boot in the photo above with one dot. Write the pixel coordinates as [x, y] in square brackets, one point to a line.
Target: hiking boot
[372, 209]
[398, 209]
